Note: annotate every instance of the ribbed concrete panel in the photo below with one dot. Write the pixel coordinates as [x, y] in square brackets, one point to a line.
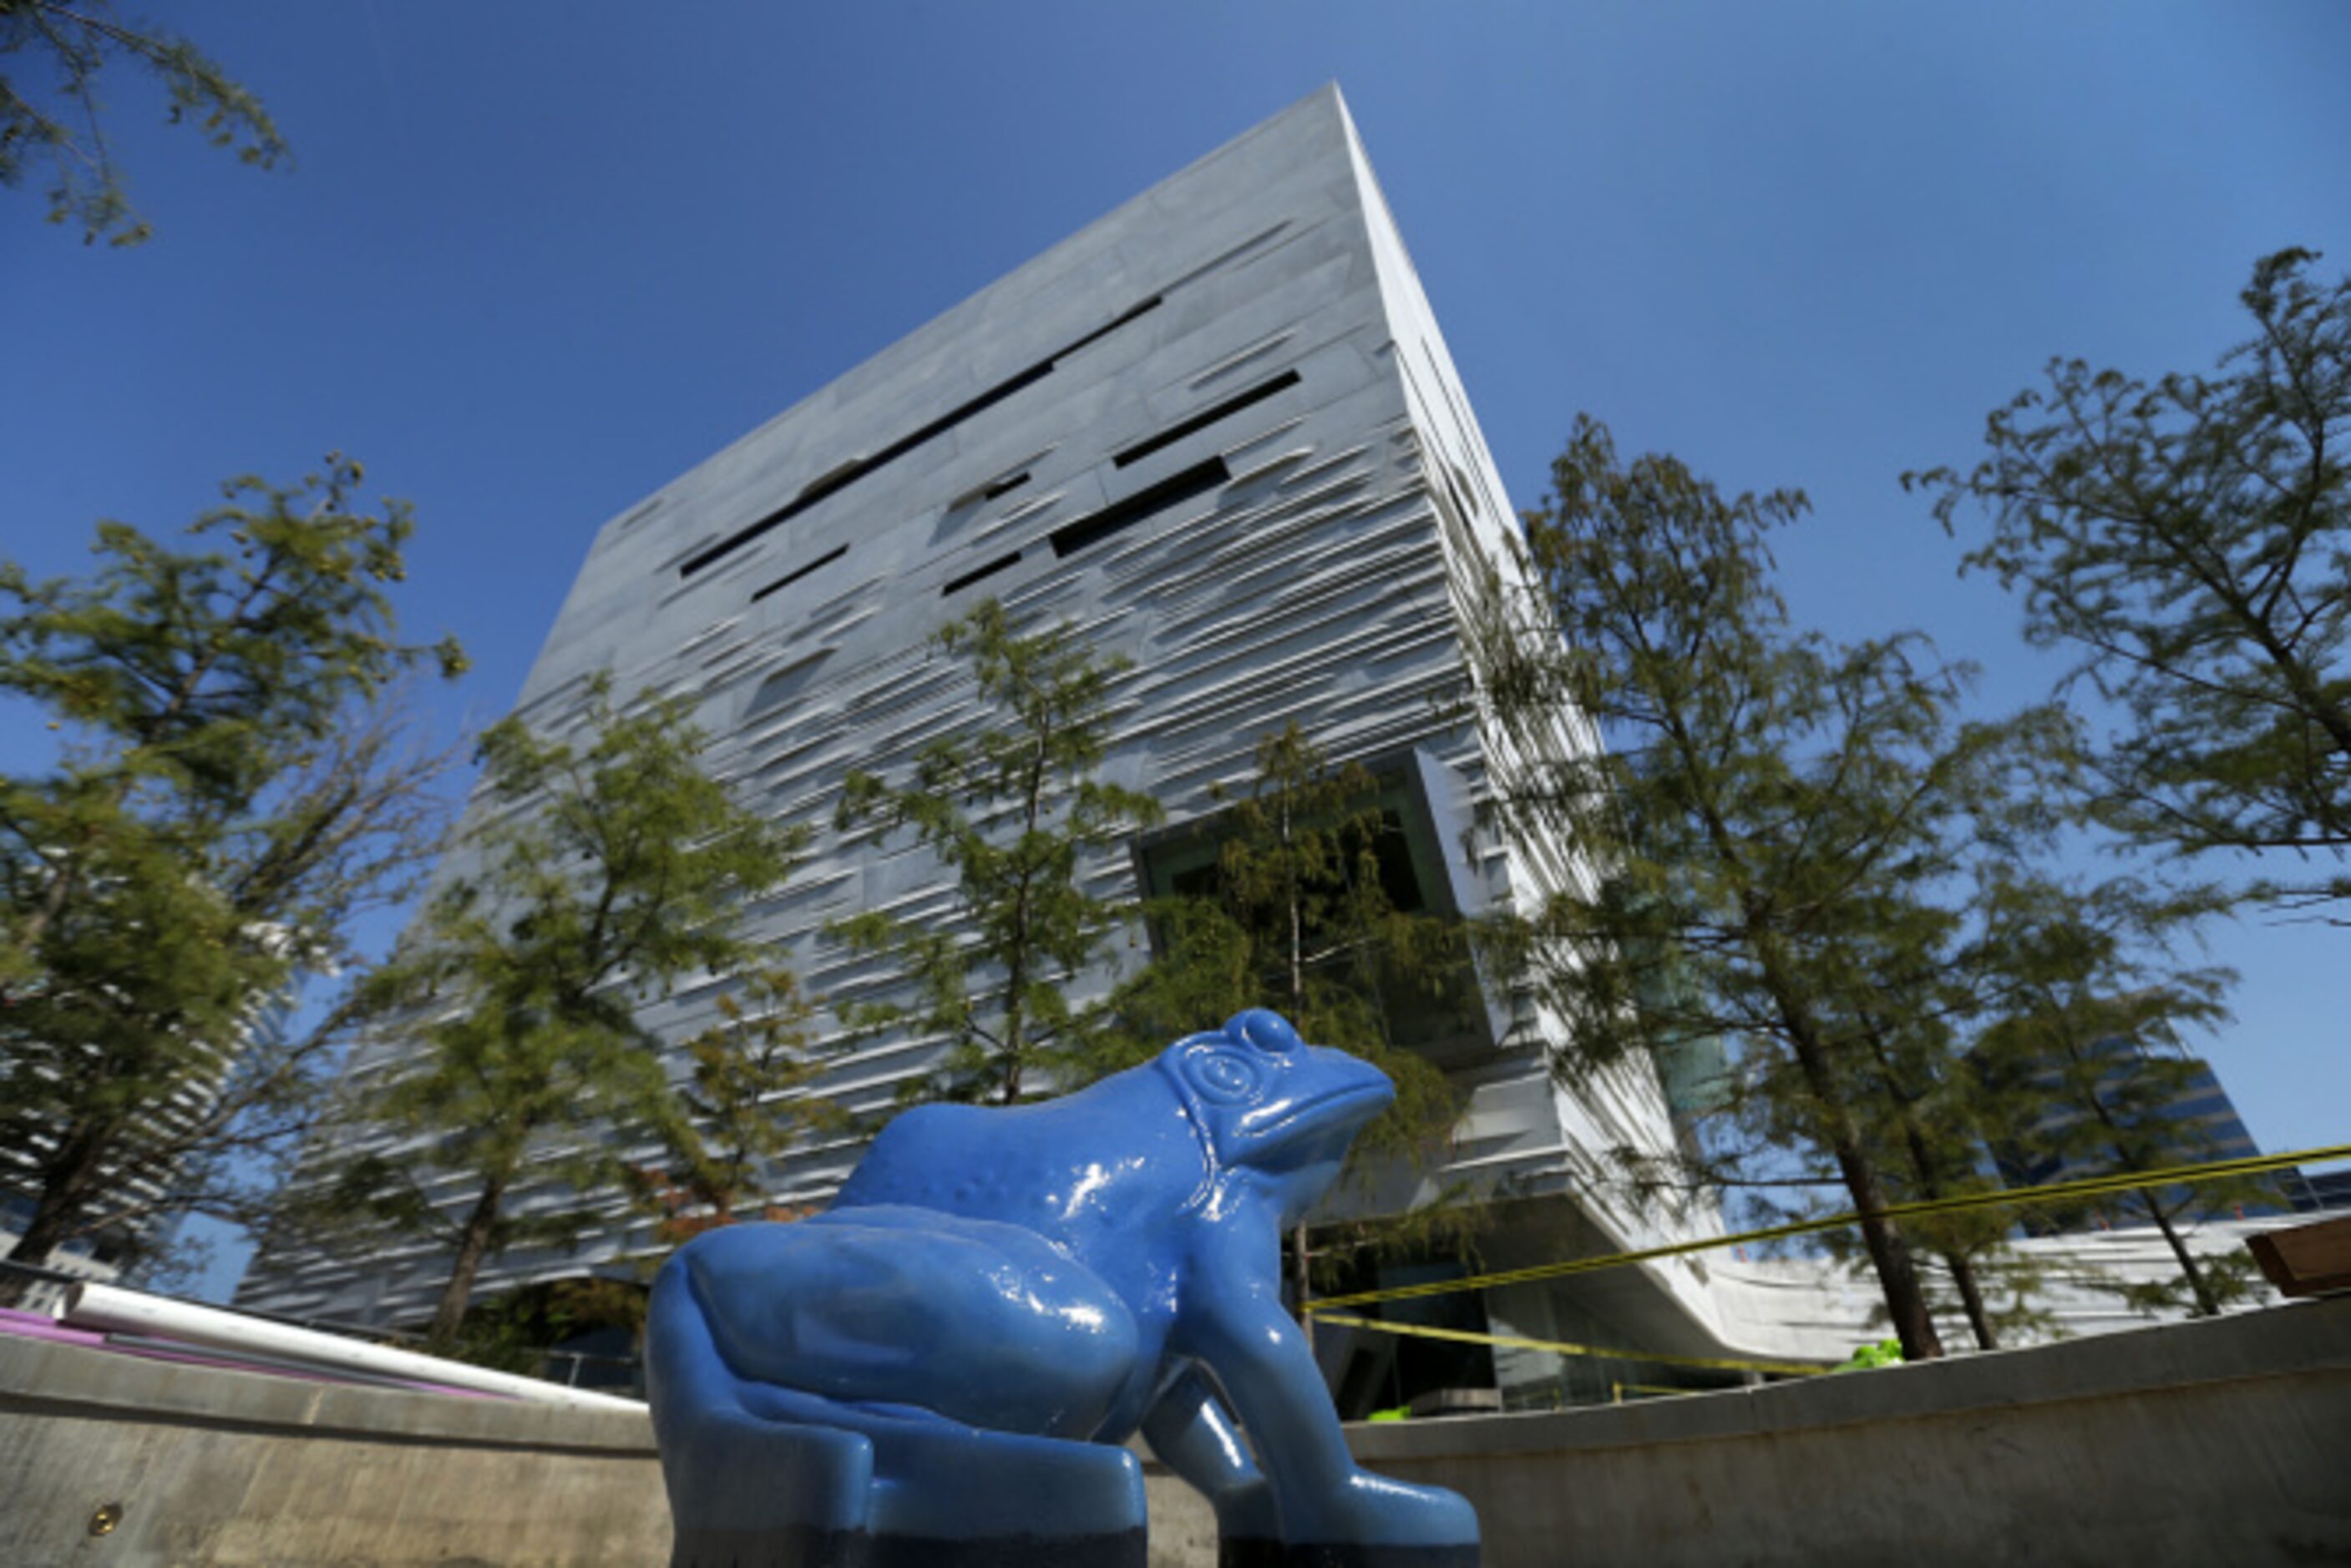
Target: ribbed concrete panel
[1249, 339]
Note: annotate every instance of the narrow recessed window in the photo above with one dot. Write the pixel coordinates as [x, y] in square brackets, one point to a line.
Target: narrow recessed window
[981, 494]
[1460, 482]
[1207, 416]
[789, 579]
[841, 475]
[1173, 491]
[988, 570]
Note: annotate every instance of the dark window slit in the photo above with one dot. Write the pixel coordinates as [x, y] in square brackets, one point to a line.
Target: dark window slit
[849, 473]
[1099, 333]
[789, 579]
[988, 570]
[1207, 416]
[1003, 485]
[1173, 491]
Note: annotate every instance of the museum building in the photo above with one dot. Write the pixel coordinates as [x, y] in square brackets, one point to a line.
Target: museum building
[1217, 432]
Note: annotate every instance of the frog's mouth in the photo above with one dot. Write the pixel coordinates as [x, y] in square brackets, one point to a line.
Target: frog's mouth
[1333, 1117]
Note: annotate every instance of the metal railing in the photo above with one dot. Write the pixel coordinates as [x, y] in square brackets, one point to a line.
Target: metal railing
[21, 1286]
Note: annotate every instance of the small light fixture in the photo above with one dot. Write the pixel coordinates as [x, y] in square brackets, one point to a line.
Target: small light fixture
[105, 1518]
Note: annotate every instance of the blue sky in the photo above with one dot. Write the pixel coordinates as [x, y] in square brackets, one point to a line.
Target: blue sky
[532, 261]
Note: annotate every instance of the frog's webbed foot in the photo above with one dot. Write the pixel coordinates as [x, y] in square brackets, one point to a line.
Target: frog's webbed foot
[759, 1474]
[1426, 1543]
[1377, 1523]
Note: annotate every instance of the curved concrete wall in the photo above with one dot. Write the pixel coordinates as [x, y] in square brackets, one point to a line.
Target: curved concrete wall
[210, 1467]
[2187, 1445]
[2184, 1446]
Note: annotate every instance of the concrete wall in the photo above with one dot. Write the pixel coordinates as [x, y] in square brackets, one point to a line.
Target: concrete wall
[2189, 1444]
[222, 1468]
[2200, 1444]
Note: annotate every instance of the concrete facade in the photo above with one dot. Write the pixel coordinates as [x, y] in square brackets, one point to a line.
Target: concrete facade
[2181, 1446]
[1217, 432]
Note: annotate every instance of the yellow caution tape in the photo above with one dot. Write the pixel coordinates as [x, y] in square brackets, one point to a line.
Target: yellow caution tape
[2056, 1193]
[1465, 1336]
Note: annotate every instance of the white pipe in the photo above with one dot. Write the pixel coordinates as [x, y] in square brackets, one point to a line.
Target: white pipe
[109, 1310]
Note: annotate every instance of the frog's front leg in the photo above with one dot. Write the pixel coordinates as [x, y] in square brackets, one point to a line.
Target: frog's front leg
[1236, 1325]
[1191, 1433]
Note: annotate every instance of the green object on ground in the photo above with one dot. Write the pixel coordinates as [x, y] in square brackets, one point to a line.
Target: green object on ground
[1885, 1353]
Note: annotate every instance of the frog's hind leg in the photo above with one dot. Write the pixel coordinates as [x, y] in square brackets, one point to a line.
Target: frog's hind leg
[761, 1476]
[951, 1496]
[947, 1495]
[747, 1490]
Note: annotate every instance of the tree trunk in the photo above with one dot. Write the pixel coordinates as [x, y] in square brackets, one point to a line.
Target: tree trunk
[1963, 1276]
[472, 1246]
[53, 902]
[70, 1177]
[2207, 1306]
[2206, 1303]
[1889, 1253]
[1963, 1271]
[42, 1236]
[1301, 1280]
[40, 1239]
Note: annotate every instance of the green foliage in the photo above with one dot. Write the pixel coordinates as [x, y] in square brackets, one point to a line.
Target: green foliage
[1300, 920]
[232, 785]
[2191, 539]
[744, 1101]
[2208, 1284]
[1296, 918]
[1926, 1116]
[602, 873]
[72, 44]
[512, 1331]
[2084, 1052]
[1012, 812]
[1772, 828]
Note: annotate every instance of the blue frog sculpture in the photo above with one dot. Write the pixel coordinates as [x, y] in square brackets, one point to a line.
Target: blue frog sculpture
[940, 1369]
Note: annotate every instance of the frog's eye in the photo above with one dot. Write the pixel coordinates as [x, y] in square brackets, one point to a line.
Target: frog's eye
[1266, 1030]
[1224, 1077]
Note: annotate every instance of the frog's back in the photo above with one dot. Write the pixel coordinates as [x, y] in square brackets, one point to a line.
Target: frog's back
[1063, 1167]
[932, 1157]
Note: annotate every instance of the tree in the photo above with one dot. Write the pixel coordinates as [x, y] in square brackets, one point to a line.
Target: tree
[1013, 812]
[232, 785]
[1295, 915]
[601, 874]
[2191, 540]
[76, 39]
[745, 1102]
[2086, 1052]
[1767, 804]
[1930, 1122]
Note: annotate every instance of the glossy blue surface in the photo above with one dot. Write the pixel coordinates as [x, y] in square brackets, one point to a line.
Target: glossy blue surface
[938, 1367]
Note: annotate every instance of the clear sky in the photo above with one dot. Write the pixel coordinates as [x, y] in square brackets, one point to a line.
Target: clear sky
[531, 262]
